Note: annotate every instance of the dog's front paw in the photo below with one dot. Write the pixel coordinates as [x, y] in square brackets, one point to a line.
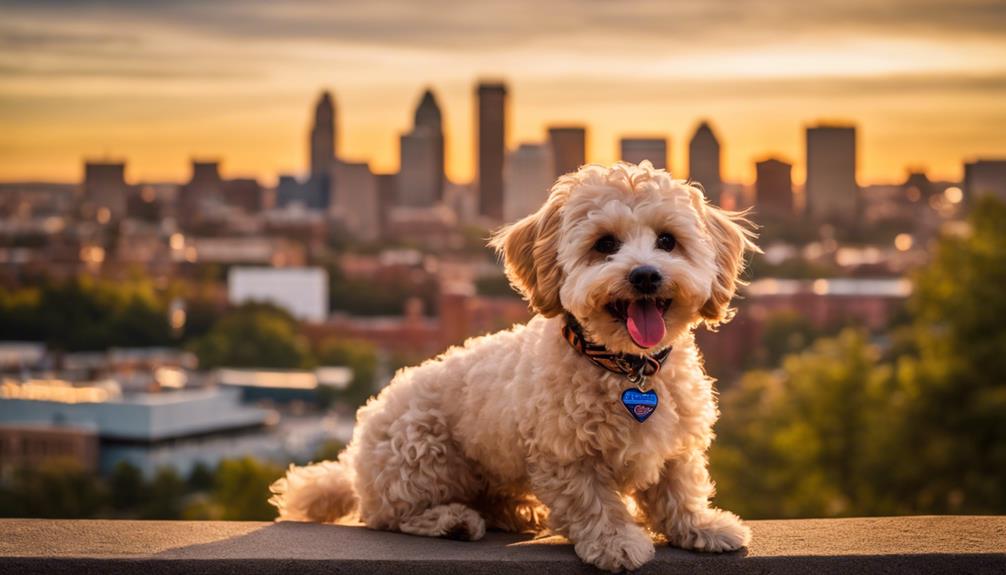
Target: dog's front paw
[628, 548]
[712, 531]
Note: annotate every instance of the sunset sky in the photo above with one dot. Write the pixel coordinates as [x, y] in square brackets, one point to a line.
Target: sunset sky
[159, 82]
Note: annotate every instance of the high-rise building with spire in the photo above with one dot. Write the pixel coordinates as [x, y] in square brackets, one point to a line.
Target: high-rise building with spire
[490, 126]
[704, 161]
[323, 151]
[421, 152]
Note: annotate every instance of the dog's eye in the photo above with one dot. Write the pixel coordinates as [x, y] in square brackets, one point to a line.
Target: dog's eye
[666, 242]
[607, 245]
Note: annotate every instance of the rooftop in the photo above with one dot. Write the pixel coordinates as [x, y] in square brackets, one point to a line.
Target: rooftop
[889, 545]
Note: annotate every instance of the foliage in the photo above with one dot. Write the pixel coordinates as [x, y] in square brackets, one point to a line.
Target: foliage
[842, 429]
[805, 440]
[361, 357]
[58, 489]
[372, 297]
[785, 332]
[200, 478]
[126, 487]
[165, 494]
[86, 314]
[329, 451]
[240, 492]
[957, 418]
[236, 490]
[253, 335]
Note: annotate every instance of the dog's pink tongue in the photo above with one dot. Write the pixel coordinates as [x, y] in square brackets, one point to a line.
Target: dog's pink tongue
[645, 323]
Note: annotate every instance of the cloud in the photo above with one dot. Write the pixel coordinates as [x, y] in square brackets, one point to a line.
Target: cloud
[496, 24]
[34, 40]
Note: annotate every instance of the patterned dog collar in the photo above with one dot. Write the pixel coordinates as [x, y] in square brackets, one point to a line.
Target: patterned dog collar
[635, 368]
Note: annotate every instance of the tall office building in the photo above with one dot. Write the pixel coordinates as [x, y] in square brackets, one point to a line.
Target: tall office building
[491, 144]
[569, 148]
[985, 177]
[387, 199]
[832, 193]
[105, 187]
[704, 161]
[636, 150]
[323, 151]
[774, 188]
[421, 155]
[203, 194]
[528, 178]
[356, 200]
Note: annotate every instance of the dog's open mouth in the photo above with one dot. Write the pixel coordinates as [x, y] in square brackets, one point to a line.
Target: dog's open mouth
[643, 319]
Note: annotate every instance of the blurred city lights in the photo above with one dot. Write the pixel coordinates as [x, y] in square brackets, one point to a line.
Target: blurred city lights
[903, 242]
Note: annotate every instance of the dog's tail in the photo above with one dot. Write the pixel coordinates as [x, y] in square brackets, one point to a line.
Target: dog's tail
[320, 492]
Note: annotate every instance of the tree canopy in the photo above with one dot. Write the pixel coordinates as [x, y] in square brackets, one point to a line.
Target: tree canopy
[844, 429]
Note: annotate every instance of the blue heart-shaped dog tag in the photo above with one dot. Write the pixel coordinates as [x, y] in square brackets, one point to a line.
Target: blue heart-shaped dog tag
[641, 404]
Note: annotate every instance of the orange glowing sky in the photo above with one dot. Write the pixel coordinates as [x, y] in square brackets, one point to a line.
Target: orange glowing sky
[158, 83]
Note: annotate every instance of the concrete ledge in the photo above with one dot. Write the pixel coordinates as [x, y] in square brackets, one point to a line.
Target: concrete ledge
[888, 545]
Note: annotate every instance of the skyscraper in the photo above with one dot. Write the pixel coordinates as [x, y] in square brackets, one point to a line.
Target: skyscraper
[985, 177]
[491, 143]
[421, 155]
[105, 187]
[832, 193]
[203, 194]
[774, 189]
[529, 175]
[636, 150]
[704, 161]
[356, 200]
[323, 150]
[569, 148]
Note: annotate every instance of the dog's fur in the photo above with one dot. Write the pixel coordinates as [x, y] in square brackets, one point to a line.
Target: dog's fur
[517, 430]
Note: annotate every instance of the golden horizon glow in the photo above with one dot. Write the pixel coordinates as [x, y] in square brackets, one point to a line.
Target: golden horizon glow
[155, 87]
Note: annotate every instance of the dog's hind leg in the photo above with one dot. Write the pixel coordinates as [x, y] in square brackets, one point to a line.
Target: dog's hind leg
[513, 513]
[416, 480]
[453, 521]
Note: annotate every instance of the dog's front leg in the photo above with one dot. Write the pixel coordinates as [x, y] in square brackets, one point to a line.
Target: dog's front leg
[585, 506]
[678, 507]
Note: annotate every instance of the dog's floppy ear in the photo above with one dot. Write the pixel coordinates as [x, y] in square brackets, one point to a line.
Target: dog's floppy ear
[529, 249]
[731, 236]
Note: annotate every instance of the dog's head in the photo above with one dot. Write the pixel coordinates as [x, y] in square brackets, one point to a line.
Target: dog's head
[637, 257]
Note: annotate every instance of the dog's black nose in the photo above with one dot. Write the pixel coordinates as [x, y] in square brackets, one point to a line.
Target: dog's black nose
[645, 279]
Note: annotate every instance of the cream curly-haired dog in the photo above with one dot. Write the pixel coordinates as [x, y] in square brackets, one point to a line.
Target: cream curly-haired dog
[593, 419]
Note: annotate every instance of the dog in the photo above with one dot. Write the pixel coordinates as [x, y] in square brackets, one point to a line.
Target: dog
[593, 419]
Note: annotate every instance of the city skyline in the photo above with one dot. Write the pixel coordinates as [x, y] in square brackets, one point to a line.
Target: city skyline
[233, 81]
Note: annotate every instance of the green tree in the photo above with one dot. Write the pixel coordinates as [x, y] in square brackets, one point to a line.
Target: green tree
[329, 451]
[956, 425]
[786, 332]
[838, 431]
[253, 335]
[361, 357]
[384, 297]
[57, 489]
[87, 314]
[166, 493]
[126, 488]
[241, 489]
[807, 440]
[201, 478]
